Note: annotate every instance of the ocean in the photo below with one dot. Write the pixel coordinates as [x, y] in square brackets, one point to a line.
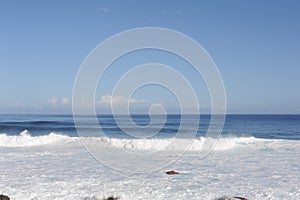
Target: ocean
[46, 157]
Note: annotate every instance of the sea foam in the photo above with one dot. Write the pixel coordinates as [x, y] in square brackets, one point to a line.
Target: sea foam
[25, 139]
[240, 166]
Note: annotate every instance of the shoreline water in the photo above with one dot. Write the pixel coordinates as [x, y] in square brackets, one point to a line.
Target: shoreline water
[56, 165]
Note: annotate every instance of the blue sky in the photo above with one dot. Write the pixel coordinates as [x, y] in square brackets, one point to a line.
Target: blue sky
[255, 44]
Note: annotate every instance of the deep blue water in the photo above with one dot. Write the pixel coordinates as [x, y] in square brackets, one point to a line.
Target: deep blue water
[259, 126]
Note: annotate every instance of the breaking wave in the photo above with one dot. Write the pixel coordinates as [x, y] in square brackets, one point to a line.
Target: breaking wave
[25, 139]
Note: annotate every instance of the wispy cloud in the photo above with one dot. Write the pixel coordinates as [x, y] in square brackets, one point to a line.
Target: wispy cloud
[58, 101]
[108, 99]
[174, 17]
[177, 12]
[65, 100]
[104, 10]
[52, 101]
[163, 12]
[20, 105]
[174, 12]
[120, 104]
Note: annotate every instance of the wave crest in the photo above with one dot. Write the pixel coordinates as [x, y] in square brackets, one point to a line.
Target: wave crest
[25, 139]
[164, 144]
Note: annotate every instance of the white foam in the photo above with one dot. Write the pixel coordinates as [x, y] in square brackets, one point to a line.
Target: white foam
[25, 139]
[165, 144]
[247, 167]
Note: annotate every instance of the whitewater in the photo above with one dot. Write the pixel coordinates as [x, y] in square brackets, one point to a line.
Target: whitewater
[58, 166]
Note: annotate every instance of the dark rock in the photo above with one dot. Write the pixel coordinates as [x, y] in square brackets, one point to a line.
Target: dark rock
[240, 198]
[112, 198]
[3, 197]
[172, 172]
[231, 198]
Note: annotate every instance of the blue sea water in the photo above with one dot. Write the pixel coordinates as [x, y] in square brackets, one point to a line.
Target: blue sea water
[258, 126]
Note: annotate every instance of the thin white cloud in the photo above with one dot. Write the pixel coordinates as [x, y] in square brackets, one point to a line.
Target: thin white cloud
[108, 99]
[103, 105]
[65, 100]
[105, 10]
[52, 101]
[55, 101]
[19, 104]
[163, 12]
[177, 12]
